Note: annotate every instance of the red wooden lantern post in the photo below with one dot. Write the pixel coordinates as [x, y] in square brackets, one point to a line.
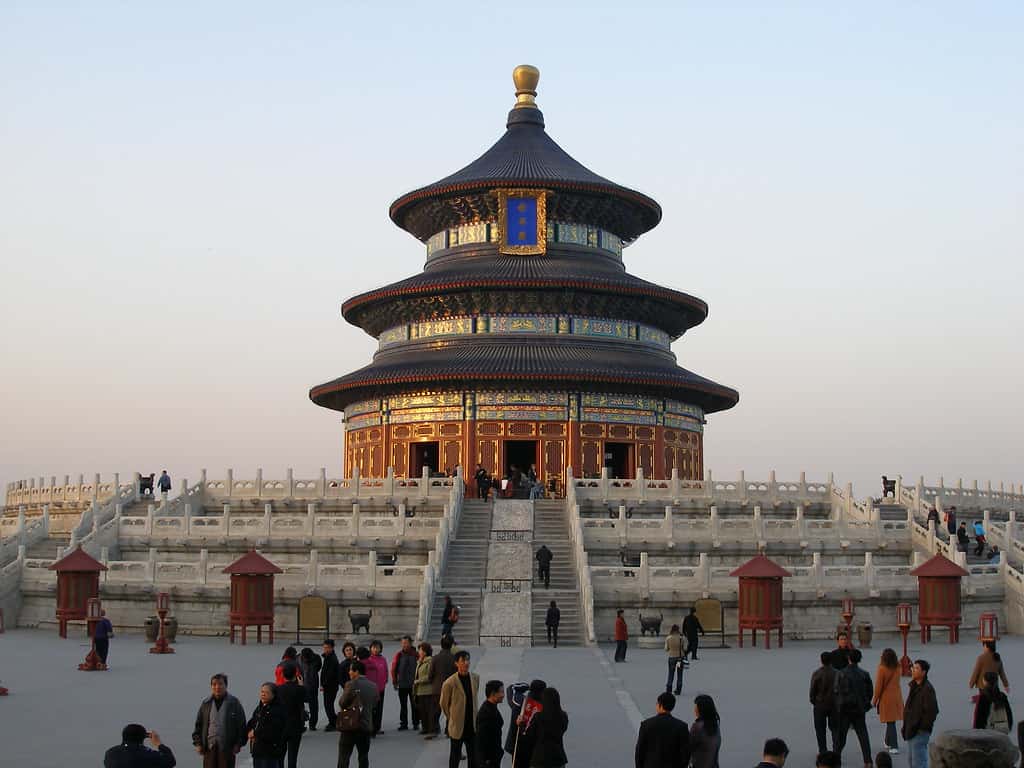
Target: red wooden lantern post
[904, 618]
[988, 627]
[848, 617]
[78, 579]
[760, 598]
[163, 605]
[252, 594]
[93, 615]
[938, 591]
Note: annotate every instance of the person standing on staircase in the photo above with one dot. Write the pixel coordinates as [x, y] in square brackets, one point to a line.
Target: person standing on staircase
[483, 482]
[979, 538]
[164, 484]
[621, 636]
[446, 616]
[544, 558]
[551, 621]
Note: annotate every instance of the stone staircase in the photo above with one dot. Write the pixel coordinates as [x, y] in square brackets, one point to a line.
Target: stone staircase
[464, 575]
[47, 548]
[550, 527]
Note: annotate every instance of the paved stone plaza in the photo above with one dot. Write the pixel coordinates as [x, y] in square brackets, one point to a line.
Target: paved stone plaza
[58, 716]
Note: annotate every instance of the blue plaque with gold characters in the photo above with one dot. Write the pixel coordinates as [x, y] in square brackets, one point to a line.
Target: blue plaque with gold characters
[522, 221]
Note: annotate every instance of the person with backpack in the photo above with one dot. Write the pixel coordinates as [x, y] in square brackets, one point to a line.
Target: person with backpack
[993, 712]
[919, 715]
[988, 661]
[310, 664]
[355, 716]
[854, 691]
[823, 700]
[888, 698]
[962, 539]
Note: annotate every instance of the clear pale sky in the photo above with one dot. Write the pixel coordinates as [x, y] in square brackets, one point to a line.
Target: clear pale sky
[189, 191]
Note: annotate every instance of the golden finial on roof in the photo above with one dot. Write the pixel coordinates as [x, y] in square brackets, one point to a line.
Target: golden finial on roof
[526, 78]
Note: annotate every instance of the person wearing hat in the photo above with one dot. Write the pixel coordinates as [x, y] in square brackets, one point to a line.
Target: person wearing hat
[132, 753]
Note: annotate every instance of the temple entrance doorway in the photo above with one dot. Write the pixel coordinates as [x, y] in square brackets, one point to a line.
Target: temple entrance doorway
[520, 453]
[618, 458]
[423, 455]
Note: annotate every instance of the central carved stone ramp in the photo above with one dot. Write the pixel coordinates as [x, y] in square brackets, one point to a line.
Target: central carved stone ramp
[464, 574]
[551, 528]
[507, 610]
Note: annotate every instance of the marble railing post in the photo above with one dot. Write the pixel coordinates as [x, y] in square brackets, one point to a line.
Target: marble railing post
[151, 566]
[371, 569]
[21, 524]
[259, 482]
[104, 559]
[645, 577]
[604, 484]
[758, 523]
[931, 536]
[267, 509]
[150, 514]
[773, 488]
[986, 519]
[742, 487]
[848, 511]
[313, 574]
[184, 488]
[869, 573]
[424, 484]
[389, 481]
[289, 479]
[641, 484]
[803, 485]
[311, 519]
[204, 560]
[709, 486]
[354, 481]
[229, 482]
[714, 527]
[801, 522]
[323, 482]
[186, 524]
[356, 519]
[400, 522]
[666, 527]
[1011, 528]
[704, 573]
[96, 488]
[46, 518]
[623, 525]
[819, 573]
[226, 521]
[676, 486]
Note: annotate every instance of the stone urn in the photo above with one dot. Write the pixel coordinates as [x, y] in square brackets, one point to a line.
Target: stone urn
[864, 634]
[170, 628]
[972, 749]
[152, 627]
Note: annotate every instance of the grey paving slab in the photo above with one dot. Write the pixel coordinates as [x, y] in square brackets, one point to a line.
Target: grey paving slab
[58, 716]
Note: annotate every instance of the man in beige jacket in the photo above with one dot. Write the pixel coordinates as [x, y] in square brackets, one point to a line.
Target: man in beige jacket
[459, 704]
[675, 649]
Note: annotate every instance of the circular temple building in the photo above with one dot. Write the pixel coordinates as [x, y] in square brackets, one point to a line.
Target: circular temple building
[524, 340]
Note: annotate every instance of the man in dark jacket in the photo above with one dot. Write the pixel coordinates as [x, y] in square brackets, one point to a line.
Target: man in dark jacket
[220, 733]
[403, 677]
[483, 481]
[444, 667]
[774, 754]
[329, 681]
[292, 698]
[854, 691]
[840, 657]
[919, 714]
[551, 620]
[362, 689]
[544, 558]
[131, 753]
[489, 723]
[691, 627]
[823, 700]
[664, 741]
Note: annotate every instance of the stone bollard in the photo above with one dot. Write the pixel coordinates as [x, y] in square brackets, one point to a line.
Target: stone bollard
[972, 749]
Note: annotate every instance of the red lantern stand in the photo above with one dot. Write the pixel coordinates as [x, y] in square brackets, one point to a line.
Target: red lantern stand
[78, 580]
[848, 615]
[252, 594]
[988, 627]
[93, 616]
[163, 605]
[760, 598]
[938, 589]
[904, 618]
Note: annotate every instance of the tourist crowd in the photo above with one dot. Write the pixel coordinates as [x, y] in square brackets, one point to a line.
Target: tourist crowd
[429, 685]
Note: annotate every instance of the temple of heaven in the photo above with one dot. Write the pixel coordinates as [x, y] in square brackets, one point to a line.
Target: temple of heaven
[524, 340]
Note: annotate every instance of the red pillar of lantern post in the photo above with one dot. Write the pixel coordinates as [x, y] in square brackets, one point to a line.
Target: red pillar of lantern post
[163, 604]
[93, 614]
[988, 627]
[848, 618]
[903, 621]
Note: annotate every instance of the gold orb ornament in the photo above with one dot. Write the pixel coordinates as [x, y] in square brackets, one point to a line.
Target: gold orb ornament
[526, 78]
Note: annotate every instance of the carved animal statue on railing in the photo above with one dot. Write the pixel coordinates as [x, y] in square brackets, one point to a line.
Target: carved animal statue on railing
[651, 624]
[360, 620]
